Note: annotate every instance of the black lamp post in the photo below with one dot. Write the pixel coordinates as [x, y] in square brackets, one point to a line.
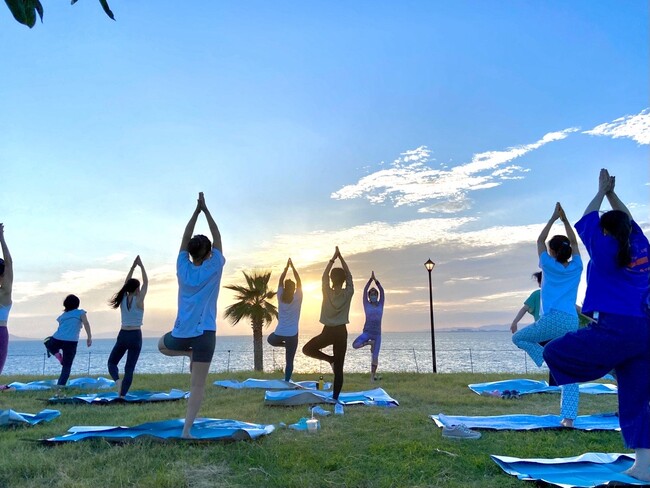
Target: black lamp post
[430, 265]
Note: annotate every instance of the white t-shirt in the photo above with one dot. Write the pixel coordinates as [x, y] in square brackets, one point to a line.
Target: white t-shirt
[198, 289]
[69, 325]
[559, 284]
[288, 313]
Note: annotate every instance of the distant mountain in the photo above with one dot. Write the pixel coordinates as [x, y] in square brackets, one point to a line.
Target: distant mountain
[482, 328]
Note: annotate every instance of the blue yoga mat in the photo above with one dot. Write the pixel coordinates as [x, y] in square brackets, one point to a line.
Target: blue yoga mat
[10, 417]
[529, 422]
[131, 397]
[204, 429]
[526, 386]
[585, 471]
[252, 383]
[97, 383]
[376, 397]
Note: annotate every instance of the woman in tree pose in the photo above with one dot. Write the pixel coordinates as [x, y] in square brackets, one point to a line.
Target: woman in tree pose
[561, 269]
[6, 282]
[334, 315]
[130, 301]
[373, 306]
[195, 328]
[63, 344]
[616, 297]
[289, 304]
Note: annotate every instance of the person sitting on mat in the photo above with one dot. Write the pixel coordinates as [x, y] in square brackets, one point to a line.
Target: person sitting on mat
[373, 306]
[130, 301]
[532, 304]
[289, 304]
[195, 327]
[334, 315]
[618, 276]
[561, 267]
[6, 283]
[63, 344]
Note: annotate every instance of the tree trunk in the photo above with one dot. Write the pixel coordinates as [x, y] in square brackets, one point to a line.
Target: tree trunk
[258, 347]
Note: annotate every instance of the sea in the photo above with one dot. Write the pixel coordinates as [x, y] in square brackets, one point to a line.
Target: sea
[455, 351]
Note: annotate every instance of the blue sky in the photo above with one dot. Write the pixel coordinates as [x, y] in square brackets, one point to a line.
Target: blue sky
[397, 130]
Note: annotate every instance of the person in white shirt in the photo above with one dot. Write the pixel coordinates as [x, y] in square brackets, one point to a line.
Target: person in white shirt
[289, 304]
[195, 327]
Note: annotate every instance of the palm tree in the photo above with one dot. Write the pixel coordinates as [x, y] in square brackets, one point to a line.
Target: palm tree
[252, 303]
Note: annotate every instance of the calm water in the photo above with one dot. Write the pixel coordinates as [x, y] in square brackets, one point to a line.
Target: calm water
[400, 352]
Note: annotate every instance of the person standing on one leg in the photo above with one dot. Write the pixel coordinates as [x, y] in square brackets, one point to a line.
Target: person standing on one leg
[63, 344]
[289, 304]
[130, 300]
[373, 306]
[6, 284]
[195, 328]
[334, 316]
[618, 276]
[561, 270]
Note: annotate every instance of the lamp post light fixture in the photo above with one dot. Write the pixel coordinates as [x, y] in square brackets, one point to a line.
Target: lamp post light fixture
[429, 265]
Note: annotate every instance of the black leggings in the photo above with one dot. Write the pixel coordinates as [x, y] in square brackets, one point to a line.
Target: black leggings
[337, 337]
[69, 350]
[129, 342]
[290, 343]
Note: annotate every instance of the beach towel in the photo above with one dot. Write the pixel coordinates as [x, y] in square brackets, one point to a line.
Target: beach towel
[10, 417]
[376, 397]
[607, 421]
[585, 471]
[252, 383]
[131, 397]
[525, 386]
[204, 429]
[90, 383]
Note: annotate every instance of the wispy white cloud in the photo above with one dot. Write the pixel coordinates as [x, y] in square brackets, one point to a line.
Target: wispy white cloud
[316, 247]
[410, 180]
[635, 127]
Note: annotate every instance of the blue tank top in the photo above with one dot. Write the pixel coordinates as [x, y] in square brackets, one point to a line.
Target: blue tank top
[4, 312]
[131, 317]
[69, 325]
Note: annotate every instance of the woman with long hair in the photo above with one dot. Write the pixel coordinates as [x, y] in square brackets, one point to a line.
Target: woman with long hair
[561, 270]
[373, 306]
[130, 300]
[6, 283]
[63, 344]
[619, 338]
[334, 315]
[289, 304]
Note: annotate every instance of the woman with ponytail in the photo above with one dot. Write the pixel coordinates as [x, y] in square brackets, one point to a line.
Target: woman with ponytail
[561, 270]
[619, 339]
[130, 301]
[289, 304]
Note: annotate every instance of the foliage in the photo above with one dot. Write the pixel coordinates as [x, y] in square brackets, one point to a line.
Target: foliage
[252, 303]
[366, 447]
[25, 11]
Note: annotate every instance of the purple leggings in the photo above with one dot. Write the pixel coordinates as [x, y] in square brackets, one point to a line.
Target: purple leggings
[616, 342]
[4, 345]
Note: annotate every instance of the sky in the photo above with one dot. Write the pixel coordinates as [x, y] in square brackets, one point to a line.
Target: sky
[399, 131]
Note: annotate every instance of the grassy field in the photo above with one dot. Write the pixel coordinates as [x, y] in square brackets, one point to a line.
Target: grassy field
[367, 447]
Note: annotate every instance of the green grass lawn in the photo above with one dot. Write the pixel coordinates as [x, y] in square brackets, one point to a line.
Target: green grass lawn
[367, 447]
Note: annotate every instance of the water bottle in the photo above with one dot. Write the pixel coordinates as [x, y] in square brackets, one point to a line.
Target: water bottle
[321, 383]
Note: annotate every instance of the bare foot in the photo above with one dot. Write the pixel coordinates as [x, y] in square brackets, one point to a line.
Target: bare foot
[638, 473]
[567, 423]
